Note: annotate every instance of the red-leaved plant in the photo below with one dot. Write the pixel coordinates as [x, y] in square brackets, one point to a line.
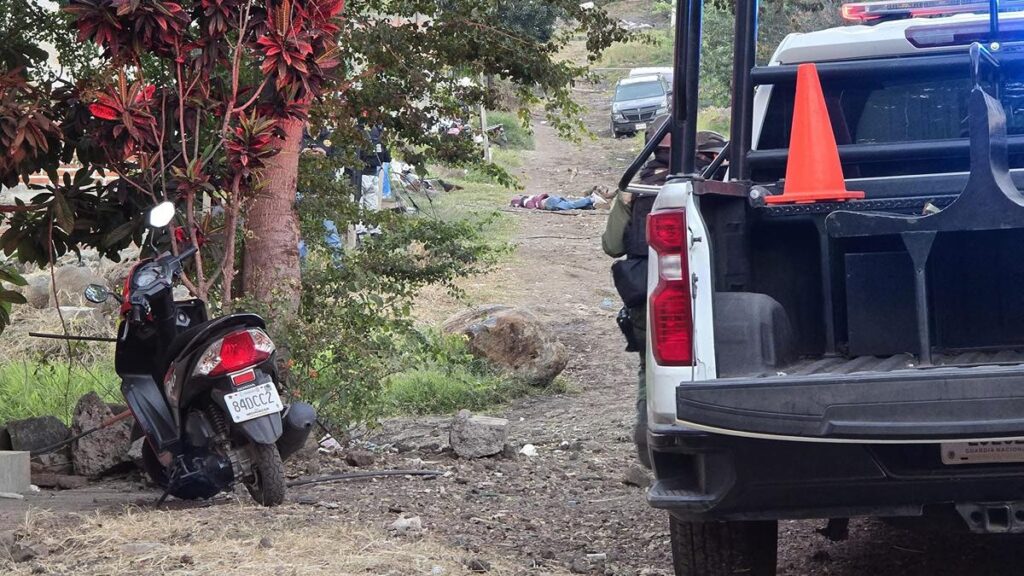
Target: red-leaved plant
[237, 78]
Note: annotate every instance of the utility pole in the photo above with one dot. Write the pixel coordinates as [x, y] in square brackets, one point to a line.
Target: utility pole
[483, 124]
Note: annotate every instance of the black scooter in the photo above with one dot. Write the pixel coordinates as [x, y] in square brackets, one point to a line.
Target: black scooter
[203, 392]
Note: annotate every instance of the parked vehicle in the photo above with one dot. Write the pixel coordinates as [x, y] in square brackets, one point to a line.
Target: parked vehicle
[637, 100]
[666, 73]
[837, 328]
[204, 392]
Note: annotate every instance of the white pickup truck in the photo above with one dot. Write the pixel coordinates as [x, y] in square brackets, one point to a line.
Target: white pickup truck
[831, 359]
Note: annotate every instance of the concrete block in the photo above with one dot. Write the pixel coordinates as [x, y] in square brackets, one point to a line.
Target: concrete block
[14, 472]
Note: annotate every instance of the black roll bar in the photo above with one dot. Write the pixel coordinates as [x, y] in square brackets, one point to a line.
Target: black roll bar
[649, 148]
[686, 83]
[993, 18]
[743, 61]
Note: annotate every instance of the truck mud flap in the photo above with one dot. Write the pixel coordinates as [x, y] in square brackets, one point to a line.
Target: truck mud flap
[906, 405]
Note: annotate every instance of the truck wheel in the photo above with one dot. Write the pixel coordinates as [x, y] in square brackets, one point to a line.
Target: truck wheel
[267, 485]
[724, 548]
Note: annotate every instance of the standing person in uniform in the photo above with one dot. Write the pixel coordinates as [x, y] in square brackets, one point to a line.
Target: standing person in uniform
[625, 234]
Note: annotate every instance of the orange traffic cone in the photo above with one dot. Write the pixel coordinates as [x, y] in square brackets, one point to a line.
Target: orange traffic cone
[813, 173]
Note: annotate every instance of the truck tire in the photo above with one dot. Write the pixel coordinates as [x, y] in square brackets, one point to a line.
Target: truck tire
[267, 486]
[724, 548]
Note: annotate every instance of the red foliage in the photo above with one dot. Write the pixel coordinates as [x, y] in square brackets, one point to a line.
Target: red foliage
[220, 15]
[298, 46]
[129, 27]
[129, 123]
[250, 144]
[27, 133]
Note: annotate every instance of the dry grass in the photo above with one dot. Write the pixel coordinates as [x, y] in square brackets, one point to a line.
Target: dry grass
[225, 540]
[16, 344]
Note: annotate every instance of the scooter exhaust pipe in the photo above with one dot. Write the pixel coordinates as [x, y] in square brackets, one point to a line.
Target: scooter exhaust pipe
[297, 423]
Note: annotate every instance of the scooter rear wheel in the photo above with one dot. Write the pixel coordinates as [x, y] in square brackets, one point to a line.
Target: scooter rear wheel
[267, 486]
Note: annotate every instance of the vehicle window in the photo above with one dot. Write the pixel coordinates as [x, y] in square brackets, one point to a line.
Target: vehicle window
[893, 111]
[639, 91]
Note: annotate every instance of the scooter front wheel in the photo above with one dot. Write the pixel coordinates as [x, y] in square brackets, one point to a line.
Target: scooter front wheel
[267, 486]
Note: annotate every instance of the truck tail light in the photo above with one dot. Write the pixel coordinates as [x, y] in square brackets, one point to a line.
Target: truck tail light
[234, 352]
[671, 308]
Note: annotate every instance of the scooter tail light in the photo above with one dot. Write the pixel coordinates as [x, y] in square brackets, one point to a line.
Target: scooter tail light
[210, 359]
[234, 352]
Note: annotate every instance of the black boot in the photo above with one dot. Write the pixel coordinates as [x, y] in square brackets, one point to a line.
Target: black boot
[640, 434]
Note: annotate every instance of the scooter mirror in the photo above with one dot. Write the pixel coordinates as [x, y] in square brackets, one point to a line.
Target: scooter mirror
[96, 294]
[161, 214]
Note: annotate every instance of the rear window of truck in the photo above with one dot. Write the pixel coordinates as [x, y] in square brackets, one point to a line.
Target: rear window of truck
[888, 112]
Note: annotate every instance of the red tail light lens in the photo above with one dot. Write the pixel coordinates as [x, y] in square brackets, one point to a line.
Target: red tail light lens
[666, 231]
[671, 309]
[234, 352]
[672, 324]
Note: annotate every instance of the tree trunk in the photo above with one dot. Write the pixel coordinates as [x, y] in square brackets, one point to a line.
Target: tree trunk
[271, 267]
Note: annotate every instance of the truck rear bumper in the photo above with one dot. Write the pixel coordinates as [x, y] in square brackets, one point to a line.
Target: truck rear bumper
[921, 404]
[703, 476]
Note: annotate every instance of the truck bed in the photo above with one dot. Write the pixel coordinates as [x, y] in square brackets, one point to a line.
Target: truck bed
[965, 395]
[840, 365]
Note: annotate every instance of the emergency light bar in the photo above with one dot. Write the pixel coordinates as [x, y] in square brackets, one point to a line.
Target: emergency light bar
[869, 11]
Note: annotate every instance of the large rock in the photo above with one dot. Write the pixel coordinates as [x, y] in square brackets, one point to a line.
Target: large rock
[35, 433]
[37, 291]
[71, 282]
[477, 436]
[513, 339]
[105, 449]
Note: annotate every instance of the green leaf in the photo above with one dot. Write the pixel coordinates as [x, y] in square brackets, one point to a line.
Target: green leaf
[12, 276]
[12, 297]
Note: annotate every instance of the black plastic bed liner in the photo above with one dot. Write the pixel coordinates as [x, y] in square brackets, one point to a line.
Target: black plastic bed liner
[843, 365]
[971, 395]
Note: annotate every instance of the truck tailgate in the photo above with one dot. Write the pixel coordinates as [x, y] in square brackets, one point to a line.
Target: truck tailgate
[974, 395]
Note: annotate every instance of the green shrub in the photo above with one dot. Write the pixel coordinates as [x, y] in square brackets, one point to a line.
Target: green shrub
[440, 375]
[355, 320]
[516, 135]
[653, 48]
[662, 8]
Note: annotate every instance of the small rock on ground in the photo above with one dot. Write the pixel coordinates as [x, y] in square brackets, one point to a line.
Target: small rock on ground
[637, 476]
[478, 565]
[359, 458]
[474, 436]
[140, 548]
[23, 552]
[266, 543]
[61, 481]
[580, 566]
[412, 525]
